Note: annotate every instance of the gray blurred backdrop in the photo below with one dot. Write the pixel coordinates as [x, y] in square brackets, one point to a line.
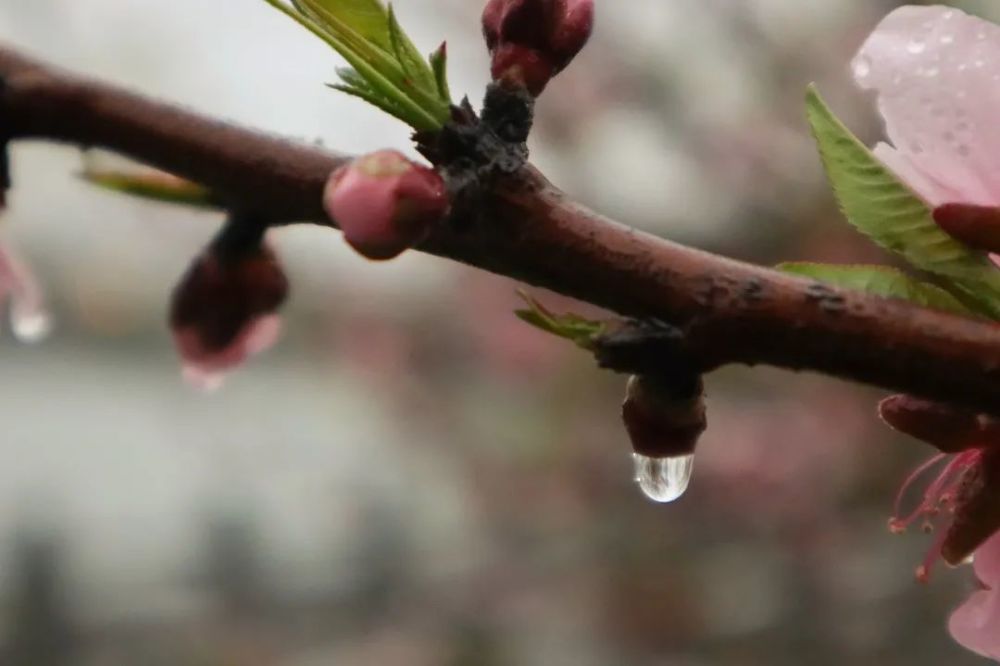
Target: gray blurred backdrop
[412, 476]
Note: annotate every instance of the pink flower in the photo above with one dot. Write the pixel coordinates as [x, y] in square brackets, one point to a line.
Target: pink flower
[29, 317]
[384, 203]
[936, 72]
[964, 497]
[224, 311]
[976, 623]
[531, 41]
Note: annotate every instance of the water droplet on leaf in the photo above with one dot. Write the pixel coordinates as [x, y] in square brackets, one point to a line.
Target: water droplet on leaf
[663, 480]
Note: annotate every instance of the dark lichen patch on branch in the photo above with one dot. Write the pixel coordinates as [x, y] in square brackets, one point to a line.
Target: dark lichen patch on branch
[472, 152]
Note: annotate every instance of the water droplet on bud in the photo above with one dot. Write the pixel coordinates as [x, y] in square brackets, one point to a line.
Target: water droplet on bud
[663, 480]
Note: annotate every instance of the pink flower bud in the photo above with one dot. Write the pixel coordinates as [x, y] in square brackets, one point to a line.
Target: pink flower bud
[223, 311]
[660, 422]
[385, 203]
[976, 226]
[533, 40]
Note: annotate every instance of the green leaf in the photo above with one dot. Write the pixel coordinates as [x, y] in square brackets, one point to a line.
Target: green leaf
[880, 281]
[370, 39]
[151, 185]
[412, 61]
[875, 201]
[573, 327]
[368, 18]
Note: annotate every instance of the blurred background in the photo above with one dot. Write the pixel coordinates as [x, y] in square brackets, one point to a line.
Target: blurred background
[413, 476]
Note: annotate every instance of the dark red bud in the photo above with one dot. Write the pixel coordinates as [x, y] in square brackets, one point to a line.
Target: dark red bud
[519, 66]
[976, 226]
[948, 428]
[533, 40]
[572, 32]
[977, 509]
[661, 423]
[219, 296]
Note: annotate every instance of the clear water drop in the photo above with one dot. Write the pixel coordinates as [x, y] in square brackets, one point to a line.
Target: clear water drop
[203, 380]
[947, 39]
[663, 480]
[916, 46]
[31, 324]
[862, 68]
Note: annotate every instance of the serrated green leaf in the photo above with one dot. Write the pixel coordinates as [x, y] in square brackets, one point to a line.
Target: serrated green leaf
[879, 205]
[880, 281]
[412, 61]
[439, 65]
[359, 30]
[570, 326]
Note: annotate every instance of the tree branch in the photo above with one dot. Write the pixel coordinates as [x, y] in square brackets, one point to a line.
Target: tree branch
[526, 229]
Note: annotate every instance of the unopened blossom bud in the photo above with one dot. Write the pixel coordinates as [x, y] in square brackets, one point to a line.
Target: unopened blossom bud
[224, 309]
[950, 429]
[663, 420]
[976, 226]
[384, 203]
[533, 40]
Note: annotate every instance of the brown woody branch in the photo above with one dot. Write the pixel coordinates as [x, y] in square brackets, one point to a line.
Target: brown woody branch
[526, 229]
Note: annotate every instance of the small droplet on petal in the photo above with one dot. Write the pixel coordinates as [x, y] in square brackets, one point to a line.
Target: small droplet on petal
[947, 39]
[916, 46]
[862, 67]
[663, 480]
[30, 325]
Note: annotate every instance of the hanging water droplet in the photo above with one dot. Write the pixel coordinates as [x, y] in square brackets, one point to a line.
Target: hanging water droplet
[203, 380]
[30, 324]
[862, 67]
[663, 480]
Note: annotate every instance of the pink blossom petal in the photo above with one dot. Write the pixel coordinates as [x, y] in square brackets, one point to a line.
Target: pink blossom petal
[936, 71]
[933, 192]
[976, 624]
[988, 562]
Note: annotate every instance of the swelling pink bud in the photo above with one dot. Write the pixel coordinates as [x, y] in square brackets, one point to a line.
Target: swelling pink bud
[533, 40]
[385, 203]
